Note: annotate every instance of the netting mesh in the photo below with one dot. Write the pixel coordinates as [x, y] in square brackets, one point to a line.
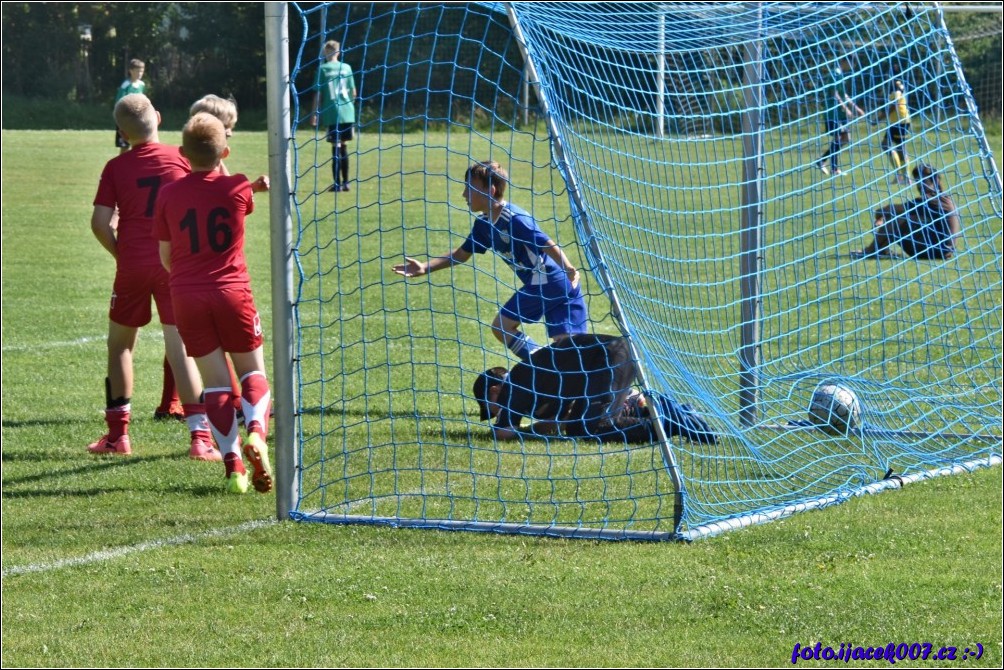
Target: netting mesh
[663, 117]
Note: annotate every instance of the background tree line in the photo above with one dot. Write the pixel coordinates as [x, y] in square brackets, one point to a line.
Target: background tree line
[80, 51]
[77, 54]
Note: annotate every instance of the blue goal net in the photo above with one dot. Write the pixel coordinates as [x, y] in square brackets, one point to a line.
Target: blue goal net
[776, 205]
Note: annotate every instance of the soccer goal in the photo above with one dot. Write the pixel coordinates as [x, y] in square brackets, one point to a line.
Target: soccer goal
[683, 155]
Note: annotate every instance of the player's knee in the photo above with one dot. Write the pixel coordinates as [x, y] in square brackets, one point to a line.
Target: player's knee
[499, 331]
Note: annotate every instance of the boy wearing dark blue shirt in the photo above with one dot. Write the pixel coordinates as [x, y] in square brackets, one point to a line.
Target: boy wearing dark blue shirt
[550, 282]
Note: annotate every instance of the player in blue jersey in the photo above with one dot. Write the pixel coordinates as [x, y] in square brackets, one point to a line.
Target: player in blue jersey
[550, 281]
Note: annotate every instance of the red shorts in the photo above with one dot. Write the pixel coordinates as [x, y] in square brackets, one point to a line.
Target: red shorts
[131, 293]
[220, 318]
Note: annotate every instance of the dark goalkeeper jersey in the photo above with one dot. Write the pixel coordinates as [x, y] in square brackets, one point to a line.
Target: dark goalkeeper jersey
[582, 382]
[576, 379]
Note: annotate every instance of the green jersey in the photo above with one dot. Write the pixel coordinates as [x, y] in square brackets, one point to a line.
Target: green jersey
[338, 92]
[832, 93]
[129, 87]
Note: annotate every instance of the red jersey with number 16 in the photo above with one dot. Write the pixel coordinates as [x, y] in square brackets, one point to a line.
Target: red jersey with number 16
[202, 216]
[132, 182]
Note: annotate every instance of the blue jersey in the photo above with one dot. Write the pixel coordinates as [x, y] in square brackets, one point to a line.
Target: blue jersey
[520, 242]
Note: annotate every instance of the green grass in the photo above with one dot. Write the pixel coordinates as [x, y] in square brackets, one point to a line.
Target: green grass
[396, 358]
[20, 113]
[145, 562]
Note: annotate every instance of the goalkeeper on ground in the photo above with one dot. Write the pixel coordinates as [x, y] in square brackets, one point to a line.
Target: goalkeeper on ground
[581, 386]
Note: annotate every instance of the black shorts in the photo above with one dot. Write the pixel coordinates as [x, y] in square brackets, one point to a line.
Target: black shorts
[119, 142]
[898, 133]
[925, 244]
[837, 129]
[343, 132]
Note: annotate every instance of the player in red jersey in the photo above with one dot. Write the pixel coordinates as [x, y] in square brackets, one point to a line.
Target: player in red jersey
[224, 109]
[199, 221]
[131, 183]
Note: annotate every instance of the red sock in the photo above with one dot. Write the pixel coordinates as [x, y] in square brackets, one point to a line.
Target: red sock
[198, 422]
[117, 419]
[169, 392]
[222, 420]
[233, 463]
[257, 396]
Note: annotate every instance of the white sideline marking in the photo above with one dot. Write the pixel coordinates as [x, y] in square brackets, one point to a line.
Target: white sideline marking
[80, 341]
[51, 345]
[110, 554]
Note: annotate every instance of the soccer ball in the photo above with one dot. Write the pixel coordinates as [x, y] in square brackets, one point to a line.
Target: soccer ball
[835, 409]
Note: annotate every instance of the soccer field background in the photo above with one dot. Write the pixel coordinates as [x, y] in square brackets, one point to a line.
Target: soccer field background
[146, 562]
[385, 364]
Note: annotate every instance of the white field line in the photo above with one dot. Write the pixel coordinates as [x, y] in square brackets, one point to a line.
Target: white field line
[79, 342]
[51, 345]
[119, 552]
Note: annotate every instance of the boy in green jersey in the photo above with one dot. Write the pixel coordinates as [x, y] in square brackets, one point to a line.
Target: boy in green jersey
[133, 84]
[335, 108]
[840, 110]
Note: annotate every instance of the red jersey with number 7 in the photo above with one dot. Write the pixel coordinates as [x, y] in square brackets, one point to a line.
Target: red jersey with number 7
[202, 216]
[132, 182]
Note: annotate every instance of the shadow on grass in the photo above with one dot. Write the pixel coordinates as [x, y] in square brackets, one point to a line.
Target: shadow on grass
[36, 423]
[96, 464]
[83, 493]
[201, 491]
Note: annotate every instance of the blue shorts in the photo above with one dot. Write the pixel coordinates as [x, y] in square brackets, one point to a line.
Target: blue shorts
[562, 307]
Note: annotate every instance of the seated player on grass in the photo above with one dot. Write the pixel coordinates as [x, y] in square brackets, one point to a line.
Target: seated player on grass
[582, 387]
[926, 228]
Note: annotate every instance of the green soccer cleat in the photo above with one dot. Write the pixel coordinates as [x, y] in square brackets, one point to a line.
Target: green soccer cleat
[237, 482]
[256, 453]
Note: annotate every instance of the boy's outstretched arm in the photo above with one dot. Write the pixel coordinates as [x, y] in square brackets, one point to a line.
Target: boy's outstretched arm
[101, 225]
[416, 268]
[260, 184]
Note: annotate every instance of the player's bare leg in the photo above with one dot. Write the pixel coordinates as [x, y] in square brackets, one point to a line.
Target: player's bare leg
[256, 398]
[118, 391]
[508, 333]
[189, 385]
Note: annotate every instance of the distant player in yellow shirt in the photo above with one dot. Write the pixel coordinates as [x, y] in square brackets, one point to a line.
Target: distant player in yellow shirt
[898, 115]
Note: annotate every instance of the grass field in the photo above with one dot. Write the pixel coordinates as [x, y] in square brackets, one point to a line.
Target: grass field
[385, 364]
[145, 562]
